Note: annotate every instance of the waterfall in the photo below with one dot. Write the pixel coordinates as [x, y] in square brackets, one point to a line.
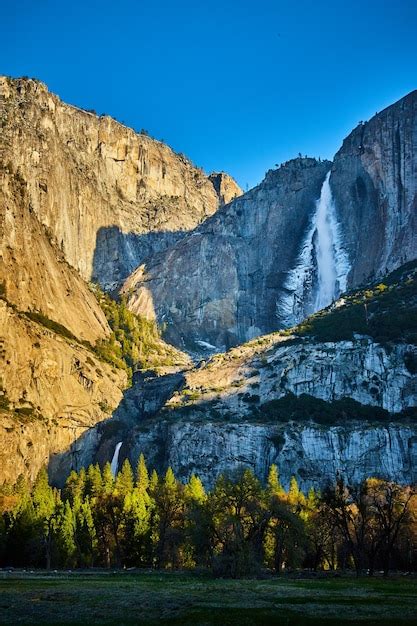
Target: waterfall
[115, 459]
[322, 266]
[332, 262]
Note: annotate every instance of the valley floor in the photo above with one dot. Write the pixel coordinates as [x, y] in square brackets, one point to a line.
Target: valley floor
[105, 597]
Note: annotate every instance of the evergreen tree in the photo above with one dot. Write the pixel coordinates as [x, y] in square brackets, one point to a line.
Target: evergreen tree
[142, 475]
[296, 498]
[169, 505]
[274, 485]
[65, 531]
[124, 479]
[85, 535]
[154, 481]
[94, 481]
[194, 490]
[108, 479]
[45, 501]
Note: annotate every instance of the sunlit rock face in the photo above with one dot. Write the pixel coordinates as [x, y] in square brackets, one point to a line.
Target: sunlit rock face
[53, 391]
[109, 195]
[226, 187]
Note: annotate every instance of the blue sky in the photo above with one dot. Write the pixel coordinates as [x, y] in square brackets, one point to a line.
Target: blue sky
[237, 86]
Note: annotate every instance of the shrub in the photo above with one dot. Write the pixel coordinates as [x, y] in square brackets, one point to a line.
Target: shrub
[56, 327]
[386, 313]
[306, 407]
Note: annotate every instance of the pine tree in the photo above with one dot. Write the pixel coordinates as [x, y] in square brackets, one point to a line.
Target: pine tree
[142, 475]
[169, 504]
[296, 497]
[108, 479]
[194, 490]
[94, 481]
[66, 535]
[154, 481]
[44, 504]
[85, 535]
[274, 485]
[124, 479]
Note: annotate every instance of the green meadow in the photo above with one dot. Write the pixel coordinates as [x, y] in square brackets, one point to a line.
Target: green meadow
[177, 598]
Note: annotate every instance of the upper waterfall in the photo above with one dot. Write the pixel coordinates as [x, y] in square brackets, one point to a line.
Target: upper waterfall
[331, 268]
[320, 274]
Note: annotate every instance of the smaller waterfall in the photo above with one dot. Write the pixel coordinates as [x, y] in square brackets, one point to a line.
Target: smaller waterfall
[115, 459]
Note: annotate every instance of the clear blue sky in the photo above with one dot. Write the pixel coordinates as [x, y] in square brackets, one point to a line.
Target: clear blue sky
[236, 85]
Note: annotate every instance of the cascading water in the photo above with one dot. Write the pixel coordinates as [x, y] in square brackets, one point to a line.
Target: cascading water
[329, 276]
[322, 267]
[115, 459]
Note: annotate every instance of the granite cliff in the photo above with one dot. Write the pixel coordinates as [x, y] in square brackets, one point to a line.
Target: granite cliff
[109, 196]
[226, 276]
[374, 183]
[254, 266]
[52, 389]
[82, 198]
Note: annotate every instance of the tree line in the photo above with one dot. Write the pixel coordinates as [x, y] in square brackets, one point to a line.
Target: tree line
[240, 527]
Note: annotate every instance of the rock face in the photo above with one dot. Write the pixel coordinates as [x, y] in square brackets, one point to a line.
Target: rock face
[52, 391]
[77, 192]
[254, 266]
[33, 272]
[221, 283]
[315, 455]
[143, 400]
[365, 371]
[374, 183]
[52, 387]
[226, 187]
[83, 197]
[109, 196]
[217, 423]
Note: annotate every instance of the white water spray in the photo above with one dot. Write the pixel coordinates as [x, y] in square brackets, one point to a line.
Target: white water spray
[115, 459]
[322, 267]
[327, 237]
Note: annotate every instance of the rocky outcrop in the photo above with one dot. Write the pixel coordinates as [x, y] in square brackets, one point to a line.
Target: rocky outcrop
[109, 195]
[367, 372]
[374, 184]
[225, 417]
[320, 400]
[316, 409]
[312, 453]
[53, 390]
[221, 283]
[226, 187]
[148, 394]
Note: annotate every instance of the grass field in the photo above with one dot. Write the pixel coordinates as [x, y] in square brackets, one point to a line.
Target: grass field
[191, 599]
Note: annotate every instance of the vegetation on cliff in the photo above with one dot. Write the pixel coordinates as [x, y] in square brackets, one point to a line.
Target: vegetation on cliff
[135, 342]
[386, 311]
[241, 526]
[306, 407]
